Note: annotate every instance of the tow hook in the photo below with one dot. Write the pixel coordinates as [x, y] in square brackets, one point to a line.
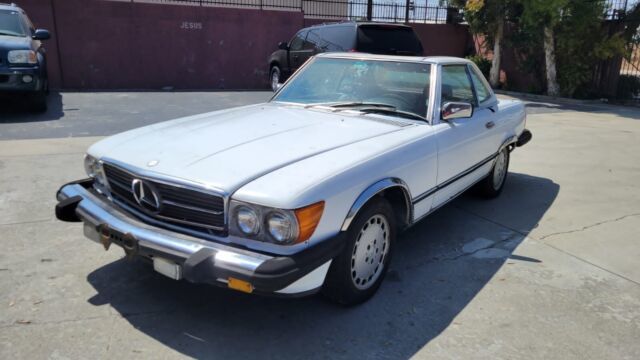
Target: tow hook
[105, 236]
[130, 246]
[128, 242]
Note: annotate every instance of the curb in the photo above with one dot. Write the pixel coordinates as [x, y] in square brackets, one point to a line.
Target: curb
[551, 98]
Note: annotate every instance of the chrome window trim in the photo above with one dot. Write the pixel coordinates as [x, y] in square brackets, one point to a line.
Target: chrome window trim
[433, 83]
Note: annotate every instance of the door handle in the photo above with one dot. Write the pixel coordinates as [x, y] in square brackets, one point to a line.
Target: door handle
[489, 125]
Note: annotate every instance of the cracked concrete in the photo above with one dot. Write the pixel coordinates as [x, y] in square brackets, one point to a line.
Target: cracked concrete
[547, 270]
[589, 226]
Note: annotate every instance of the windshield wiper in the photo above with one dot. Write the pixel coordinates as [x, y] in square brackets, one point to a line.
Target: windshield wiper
[349, 104]
[394, 111]
[369, 107]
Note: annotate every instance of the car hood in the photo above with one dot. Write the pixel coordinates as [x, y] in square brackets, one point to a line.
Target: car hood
[14, 43]
[229, 148]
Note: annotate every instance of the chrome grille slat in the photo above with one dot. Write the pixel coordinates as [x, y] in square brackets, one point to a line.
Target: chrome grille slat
[180, 205]
[194, 208]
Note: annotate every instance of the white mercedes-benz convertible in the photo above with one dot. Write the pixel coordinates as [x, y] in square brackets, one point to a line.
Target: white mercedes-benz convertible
[308, 191]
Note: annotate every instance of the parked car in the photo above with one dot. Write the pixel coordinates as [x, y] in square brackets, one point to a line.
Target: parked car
[23, 62]
[373, 38]
[308, 191]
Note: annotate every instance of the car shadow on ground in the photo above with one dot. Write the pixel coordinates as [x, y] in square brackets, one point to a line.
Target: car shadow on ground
[438, 267]
[16, 109]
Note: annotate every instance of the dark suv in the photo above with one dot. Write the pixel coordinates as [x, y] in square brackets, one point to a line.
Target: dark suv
[367, 37]
[23, 66]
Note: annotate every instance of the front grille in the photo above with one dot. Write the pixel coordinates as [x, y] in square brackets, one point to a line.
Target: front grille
[196, 210]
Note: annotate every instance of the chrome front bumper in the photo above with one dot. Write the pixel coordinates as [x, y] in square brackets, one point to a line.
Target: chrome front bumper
[198, 260]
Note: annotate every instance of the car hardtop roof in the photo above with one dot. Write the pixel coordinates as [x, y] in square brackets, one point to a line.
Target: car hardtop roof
[356, 24]
[442, 60]
[5, 6]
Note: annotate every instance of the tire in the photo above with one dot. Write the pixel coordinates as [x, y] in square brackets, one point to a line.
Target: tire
[351, 280]
[46, 85]
[492, 185]
[38, 101]
[275, 76]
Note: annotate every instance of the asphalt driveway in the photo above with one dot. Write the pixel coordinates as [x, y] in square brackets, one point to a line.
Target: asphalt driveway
[547, 270]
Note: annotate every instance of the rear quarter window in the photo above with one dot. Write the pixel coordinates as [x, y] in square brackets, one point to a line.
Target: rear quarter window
[392, 40]
[337, 38]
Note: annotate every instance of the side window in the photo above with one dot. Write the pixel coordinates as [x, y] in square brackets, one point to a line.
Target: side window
[338, 38]
[456, 85]
[481, 90]
[297, 41]
[313, 41]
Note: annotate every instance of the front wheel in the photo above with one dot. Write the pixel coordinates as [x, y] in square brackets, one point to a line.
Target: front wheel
[492, 185]
[275, 76]
[356, 274]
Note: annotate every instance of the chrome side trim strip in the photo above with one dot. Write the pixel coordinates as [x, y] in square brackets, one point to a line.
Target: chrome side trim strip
[373, 190]
[444, 203]
[439, 187]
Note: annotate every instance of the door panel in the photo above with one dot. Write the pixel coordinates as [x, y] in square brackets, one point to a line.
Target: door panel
[297, 51]
[463, 144]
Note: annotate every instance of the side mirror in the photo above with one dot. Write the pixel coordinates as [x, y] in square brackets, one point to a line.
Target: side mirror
[282, 45]
[456, 110]
[41, 34]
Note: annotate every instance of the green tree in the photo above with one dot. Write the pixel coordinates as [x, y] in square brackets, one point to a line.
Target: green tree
[487, 17]
[574, 41]
[546, 15]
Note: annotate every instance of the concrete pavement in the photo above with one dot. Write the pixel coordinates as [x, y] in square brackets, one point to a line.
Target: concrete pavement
[547, 270]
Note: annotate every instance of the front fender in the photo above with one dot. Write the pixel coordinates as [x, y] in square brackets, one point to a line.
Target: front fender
[375, 189]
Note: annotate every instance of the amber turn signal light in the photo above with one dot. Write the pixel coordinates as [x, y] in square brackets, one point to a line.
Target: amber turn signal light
[240, 285]
[308, 218]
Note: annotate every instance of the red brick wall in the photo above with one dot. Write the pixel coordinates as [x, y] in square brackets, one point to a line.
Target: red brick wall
[119, 45]
[123, 45]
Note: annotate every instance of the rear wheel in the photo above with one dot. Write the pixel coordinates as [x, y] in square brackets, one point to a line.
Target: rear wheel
[356, 274]
[275, 75]
[492, 185]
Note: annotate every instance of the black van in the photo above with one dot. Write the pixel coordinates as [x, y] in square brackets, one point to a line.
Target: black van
[367, 37]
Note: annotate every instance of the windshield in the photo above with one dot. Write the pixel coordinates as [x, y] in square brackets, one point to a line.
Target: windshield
[403, 86]
[11, 24]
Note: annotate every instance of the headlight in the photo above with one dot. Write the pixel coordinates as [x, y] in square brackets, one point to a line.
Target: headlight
[93, 168]
[279, 226]
[90, 165]
[247, 220]
[22, 57]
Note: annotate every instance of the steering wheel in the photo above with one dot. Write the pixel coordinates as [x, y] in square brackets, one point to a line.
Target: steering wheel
[392, 99]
